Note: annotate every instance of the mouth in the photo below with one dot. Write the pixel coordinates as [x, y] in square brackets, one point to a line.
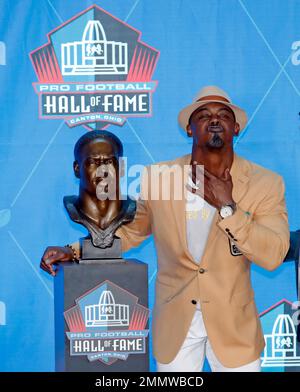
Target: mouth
[97, 180]
[215, 129]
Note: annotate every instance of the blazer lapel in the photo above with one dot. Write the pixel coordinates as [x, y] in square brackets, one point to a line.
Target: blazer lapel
[240, 178]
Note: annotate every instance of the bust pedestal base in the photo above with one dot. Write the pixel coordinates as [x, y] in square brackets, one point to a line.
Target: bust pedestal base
[101, 316]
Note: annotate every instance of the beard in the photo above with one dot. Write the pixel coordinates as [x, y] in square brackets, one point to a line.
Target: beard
[215, 142]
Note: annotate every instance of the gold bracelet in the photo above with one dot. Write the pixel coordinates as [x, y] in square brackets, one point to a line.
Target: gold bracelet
[75, 259]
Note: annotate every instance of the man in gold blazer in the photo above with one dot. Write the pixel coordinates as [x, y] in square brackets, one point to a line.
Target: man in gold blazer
[204, 302]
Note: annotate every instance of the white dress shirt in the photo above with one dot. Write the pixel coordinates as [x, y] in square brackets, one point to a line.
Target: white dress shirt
[199, 216]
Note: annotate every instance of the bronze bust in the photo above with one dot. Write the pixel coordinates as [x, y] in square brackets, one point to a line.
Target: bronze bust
[99, 206]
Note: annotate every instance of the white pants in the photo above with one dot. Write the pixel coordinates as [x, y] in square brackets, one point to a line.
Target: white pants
[195, 347]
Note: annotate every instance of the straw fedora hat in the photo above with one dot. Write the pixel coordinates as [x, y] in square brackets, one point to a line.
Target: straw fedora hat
[211, 94]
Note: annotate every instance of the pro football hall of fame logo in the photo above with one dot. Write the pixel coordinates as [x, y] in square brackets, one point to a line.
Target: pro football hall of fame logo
[94, 71]
[282, 350]
[107, 324]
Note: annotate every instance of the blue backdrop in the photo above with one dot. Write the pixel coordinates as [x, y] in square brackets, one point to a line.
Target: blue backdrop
[243, 46]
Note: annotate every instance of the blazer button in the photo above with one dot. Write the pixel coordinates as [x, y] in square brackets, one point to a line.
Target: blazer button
[194, 301]
[201, 271]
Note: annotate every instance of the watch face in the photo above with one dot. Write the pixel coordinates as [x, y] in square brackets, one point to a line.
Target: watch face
[226, 211]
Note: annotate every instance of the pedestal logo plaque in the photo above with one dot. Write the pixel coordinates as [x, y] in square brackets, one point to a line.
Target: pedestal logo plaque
[107, 324]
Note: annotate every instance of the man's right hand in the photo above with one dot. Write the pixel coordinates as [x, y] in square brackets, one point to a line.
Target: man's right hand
[54, 254]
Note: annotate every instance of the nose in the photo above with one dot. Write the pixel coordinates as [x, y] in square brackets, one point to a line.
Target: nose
[214, 121]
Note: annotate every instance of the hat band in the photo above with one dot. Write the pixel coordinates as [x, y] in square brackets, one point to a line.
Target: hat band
[212, 98]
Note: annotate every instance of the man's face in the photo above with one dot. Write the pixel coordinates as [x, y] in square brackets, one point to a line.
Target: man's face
[213, 125]
[97, 163]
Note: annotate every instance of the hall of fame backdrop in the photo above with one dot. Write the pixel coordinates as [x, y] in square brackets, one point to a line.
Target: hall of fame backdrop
[129, 66]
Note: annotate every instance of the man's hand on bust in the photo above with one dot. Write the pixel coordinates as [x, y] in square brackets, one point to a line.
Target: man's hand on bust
[53, 255]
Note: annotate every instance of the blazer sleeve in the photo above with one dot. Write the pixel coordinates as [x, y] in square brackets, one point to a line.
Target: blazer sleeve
[262, 236]
[135, 232]
[138, 230]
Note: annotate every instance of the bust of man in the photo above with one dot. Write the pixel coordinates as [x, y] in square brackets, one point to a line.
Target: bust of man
[99, 206]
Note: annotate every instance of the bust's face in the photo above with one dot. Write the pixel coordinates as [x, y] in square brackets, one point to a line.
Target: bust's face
[98, 160]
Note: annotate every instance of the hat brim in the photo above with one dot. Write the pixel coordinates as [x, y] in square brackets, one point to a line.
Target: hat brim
[185, 114]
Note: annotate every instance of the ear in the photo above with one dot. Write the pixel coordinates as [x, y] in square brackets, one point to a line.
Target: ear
[236, 129]
[76, 169]
[189, 131]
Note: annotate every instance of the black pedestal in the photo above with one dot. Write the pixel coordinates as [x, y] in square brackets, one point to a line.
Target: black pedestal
[101, 317]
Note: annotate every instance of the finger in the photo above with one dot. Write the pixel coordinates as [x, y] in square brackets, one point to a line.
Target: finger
[205, 184]
[199, 190]
[44, 267]
[195, 191]
[53, 259]
[52, 271]
[47, 268]
[209, 195]
[198, 175]
[49, 253]
[196, 166]
[190, 189]
[200, 182]
[199, 170]
[226, 174]
[208, 175]
[50, 265]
